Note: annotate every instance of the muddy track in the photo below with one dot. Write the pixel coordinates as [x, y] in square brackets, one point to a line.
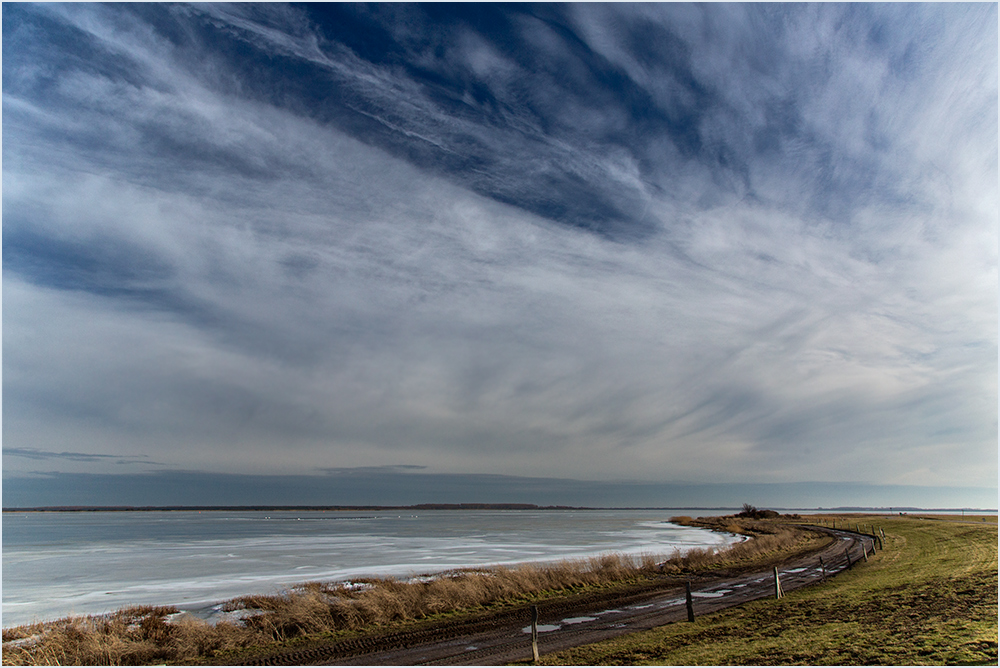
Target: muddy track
[499, 637]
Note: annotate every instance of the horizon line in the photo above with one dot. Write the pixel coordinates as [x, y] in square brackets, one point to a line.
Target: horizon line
[448, 506]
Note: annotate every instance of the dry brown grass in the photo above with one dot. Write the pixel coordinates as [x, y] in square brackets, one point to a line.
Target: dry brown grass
[318, 607]
[141, 635]
[132, 636]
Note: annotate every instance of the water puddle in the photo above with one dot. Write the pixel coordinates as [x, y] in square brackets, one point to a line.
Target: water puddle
[542, 628]
[708, 594]
[578, 620]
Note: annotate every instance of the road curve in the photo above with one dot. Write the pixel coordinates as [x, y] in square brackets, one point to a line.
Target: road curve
[504, 638]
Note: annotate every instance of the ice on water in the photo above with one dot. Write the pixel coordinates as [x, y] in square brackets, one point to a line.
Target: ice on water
[57, 564]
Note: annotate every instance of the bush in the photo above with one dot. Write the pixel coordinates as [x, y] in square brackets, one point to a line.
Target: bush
[753, 513]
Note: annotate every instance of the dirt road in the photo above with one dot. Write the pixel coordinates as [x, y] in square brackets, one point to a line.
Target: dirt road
[498, 639]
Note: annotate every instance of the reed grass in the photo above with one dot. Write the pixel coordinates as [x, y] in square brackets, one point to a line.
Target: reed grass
[144, 635]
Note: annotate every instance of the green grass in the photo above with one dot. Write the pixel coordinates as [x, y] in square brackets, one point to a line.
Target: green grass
[929, 598]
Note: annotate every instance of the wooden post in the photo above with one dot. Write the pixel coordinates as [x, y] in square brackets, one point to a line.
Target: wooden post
[534, 632]
[690, 602]
[777, 584]
[847, 551]
[822, 567]
[864, 550]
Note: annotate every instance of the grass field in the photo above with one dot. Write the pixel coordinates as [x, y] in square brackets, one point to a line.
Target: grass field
[929, 598]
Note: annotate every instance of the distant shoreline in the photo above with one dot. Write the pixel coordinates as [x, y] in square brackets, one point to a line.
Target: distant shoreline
[452, 506]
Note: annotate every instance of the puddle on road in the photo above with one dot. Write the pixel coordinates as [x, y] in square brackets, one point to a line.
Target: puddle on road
[793, 570]
[542, 628]
[609, 612]
[708, 594]
[578, 620]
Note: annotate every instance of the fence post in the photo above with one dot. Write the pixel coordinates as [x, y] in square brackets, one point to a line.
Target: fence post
[777, 584]
[822, 567]
[847, 551]
[534, 633]
[690, 602]
[864, 550]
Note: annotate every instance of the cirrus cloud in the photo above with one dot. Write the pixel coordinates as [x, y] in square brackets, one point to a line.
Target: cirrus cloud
[608, 242]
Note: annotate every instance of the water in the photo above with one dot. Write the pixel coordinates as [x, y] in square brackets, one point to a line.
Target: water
[58, 564]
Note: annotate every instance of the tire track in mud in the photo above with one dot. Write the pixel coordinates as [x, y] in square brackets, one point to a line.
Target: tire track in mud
[498, 638]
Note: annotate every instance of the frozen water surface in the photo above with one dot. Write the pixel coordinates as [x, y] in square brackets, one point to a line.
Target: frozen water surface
[57, 564]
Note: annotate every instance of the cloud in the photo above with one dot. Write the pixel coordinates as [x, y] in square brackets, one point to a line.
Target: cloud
[370, 470]
[261, 239]
[32, 453]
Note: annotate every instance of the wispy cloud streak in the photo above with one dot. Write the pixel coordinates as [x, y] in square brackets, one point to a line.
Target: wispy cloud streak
[32, 453]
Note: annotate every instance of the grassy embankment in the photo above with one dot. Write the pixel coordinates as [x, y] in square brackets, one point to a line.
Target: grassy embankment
[929, 599]
[318, 612]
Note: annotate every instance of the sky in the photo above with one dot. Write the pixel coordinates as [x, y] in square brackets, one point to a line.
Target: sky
[632, 254]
